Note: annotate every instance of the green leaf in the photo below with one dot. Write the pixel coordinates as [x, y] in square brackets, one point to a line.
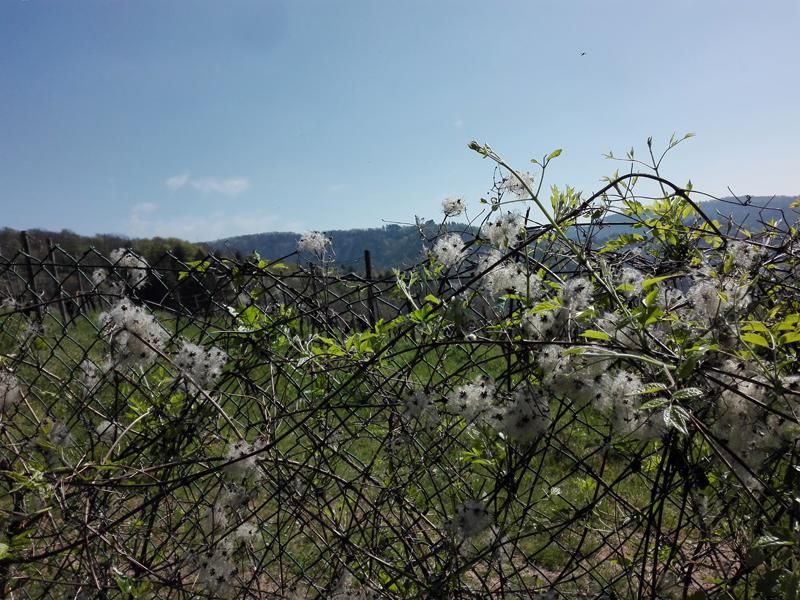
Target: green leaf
[596, 335]
[554, 154]
[687, 393]
[422, 315]
[4, 551]
[653, 404]
[651, 388]
[252, 316]
[674, 417]
[651, 297]
[789, 338]
[578, 350]
[789, 323]
[768, 540]
[652, 315]
[755, 326]
[545, 306]
[651, 281]
[755, 339]
[621, 241]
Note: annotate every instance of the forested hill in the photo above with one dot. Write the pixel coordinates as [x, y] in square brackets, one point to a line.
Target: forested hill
[75, 244]
[390, 245]
[749, 211]
[398, 246]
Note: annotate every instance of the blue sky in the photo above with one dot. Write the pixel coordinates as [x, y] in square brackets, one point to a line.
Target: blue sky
[203, 119]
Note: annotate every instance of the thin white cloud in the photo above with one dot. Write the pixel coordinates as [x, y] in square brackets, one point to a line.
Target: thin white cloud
[337, 187]
[230, 186]
[458, 123]
[176, 182]
[205, 227]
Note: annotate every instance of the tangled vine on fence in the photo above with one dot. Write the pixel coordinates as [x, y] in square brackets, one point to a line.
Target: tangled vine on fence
[529, 412]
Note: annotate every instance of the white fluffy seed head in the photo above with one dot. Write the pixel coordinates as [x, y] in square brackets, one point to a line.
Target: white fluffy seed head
[508, 277]
[572, 376]
[711, 298]
[705, 299]
[576, 294]
[473, 399]
[543, 325]
[513, 184]
[630, 280]
[314, 242]
[132, 267]
[419, 407]
[202, 365]
[242, 467]
[246, 532]
[526, 417]
[215, 517]
[505, 230]
[745, 254]
[449, 249]
[669, 298]
[216, 571]
[92, 375]
[618, 397]
[10, 392]
[741, 421]
[137, 336]
[453, 206]
[99, 276]
[621, 332]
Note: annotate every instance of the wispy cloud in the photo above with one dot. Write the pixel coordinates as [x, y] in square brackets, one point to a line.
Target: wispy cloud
[230, 186]
[458, 123]
[206, 227]
[176, 182]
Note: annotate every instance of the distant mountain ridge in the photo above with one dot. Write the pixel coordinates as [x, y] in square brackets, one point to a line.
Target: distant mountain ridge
[401, 245]
[770, 207]
[391, 245]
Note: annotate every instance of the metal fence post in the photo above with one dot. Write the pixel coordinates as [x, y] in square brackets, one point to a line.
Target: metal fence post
[373, 312]
[59, 295]
[26, 247]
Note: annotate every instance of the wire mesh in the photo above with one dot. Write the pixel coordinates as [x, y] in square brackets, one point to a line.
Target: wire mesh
[257, 429]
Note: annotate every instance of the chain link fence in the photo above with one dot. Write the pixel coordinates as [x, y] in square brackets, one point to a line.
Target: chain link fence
[545, 418]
